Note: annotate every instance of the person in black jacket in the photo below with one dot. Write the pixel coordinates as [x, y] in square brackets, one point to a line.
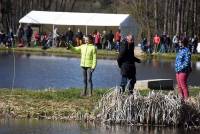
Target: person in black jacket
[126, 62]
[28, 33]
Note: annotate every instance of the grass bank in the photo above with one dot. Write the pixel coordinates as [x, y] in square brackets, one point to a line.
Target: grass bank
[103, 54]
[60, 104]
[195, 57]
[54, 104]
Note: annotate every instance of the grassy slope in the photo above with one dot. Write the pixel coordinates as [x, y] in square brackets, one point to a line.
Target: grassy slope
[101, 53]
[52, 104]
[23, 103]
[61, 52]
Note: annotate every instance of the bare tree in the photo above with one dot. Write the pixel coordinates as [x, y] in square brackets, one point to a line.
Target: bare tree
[156, 15]
[1, 15]
[178, 18]
[166, 16]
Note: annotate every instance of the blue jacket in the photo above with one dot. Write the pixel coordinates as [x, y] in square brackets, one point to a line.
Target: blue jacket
[183, 60]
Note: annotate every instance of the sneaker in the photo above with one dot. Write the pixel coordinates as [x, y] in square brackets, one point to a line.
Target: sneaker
[130, 92]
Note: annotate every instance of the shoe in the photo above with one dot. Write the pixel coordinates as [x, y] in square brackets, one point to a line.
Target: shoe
[130, 92]
[83, 93]
[90, 93]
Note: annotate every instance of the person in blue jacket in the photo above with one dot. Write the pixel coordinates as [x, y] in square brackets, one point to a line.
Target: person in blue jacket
[183, 68]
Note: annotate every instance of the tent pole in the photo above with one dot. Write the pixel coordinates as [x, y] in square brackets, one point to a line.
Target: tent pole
[86, 30]
[53, 37]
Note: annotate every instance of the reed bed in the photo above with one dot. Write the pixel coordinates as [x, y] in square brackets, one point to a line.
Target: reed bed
[157, 108]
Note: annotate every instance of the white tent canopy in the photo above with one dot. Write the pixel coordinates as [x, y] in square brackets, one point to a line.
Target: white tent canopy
[124, 21]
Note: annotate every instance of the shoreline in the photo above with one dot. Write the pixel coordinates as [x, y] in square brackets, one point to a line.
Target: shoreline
[101, 54]
[56, 104]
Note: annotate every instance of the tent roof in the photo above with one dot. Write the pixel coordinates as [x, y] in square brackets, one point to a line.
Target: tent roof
[74, 18]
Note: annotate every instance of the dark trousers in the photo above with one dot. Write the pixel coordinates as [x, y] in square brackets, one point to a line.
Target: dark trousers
[124, 81]
[87, 79]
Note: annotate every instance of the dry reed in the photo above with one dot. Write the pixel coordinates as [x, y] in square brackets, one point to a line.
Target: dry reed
[156, 108]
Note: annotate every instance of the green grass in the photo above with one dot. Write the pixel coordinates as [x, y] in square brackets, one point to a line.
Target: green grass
[195, 57]
[32, 103]
[53, 95]
[61, 52]
[100, 53]
[21, 103]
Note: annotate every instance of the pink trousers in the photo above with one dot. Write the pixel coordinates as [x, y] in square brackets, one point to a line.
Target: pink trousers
[181, 79]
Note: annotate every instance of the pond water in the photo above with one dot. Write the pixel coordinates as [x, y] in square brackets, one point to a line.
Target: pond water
[56, 127]
[45, 71]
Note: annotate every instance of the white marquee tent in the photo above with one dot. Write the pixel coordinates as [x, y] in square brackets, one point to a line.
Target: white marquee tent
[124, 21]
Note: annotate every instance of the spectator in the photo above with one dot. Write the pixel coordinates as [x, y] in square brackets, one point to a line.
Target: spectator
[144, 45]
[20, 35]
[126, 62]
[168, 44]
[56, 38]
[175, 43]
[44, 39]
[28, 34]
[1, 37]
[97, 40]
[79, 37]
[110, 40]
[62, 41]
[156, 42]
[195, 43]
[117, 39]
[37, 39]
[69, 35]
[104, 40]
[10, 40]
[163, 43]
[49, 41]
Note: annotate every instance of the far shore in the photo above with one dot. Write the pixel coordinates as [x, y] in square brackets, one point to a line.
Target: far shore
[101, 54]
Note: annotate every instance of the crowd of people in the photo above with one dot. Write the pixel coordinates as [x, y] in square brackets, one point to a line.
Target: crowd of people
[7, 39]
[166, 44]
[26, 37]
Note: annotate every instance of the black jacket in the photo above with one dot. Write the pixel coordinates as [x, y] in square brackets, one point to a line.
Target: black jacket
[126, 59]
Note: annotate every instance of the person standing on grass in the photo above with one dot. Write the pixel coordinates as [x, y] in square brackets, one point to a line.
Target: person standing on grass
[20, 35]
[28, 34]
[117, 40]
[110, 40]
[183, 68]
[156, 41]
[126, 62]
[88, 62]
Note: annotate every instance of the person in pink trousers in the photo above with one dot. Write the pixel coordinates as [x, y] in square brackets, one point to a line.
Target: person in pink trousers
[183, 68]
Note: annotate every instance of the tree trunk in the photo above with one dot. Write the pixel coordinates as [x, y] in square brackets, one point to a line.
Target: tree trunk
[178, 18]
[72, 5]
[165, 16]
[1, 15]
[182, 17]
[156, 16]
[195, 17]
[174, 16]
[169, 17]
[187, 10]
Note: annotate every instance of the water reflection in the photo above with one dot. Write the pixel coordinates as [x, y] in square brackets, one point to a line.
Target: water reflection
[56, 127]
[48, 71]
